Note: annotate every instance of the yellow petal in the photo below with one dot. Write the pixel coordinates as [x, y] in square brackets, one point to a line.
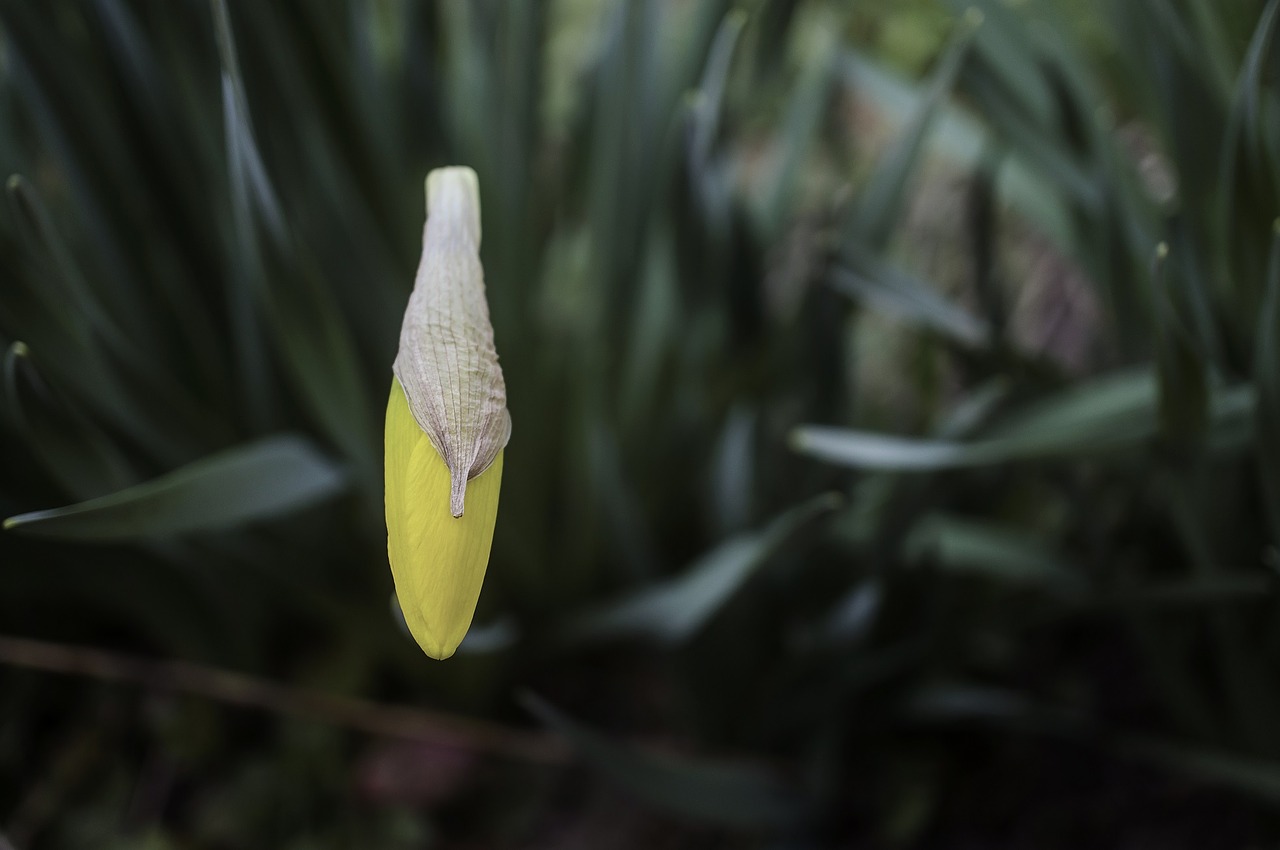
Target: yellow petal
[437, 560]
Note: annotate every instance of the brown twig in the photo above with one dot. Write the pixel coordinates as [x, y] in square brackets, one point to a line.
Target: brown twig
[249, 692]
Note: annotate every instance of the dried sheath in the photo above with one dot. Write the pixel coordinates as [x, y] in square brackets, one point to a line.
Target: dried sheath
[447, 363]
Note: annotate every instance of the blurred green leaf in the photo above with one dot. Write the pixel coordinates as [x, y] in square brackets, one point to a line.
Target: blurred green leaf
[251, 196]
[1003, 44]
[866, 450]
[1244, 165]
[310, 329]
[1181, 368]
[806, 109]
[253, 482]
[852, 618]
[674, 611]
[85, 349]
[880, 203]
[1103, 415]
[883, 287]
[709, 103]
[252, 193]
[1256, 777]
[959, 139]
[72, 447]
[1011, 84]
[1266, 378]
[980, 548]
[1250, 692]
[738, 796]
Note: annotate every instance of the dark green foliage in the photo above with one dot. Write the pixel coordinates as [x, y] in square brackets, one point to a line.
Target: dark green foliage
[1022, 315]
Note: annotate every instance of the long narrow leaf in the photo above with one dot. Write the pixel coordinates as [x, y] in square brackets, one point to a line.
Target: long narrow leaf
[881, 201]
[1107, 414]
[1008, 555]
[1266, 378]
[674, 611]
[882, 287]
[254, 482]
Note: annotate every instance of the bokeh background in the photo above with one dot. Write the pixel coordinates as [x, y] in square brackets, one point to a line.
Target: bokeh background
[895, 387]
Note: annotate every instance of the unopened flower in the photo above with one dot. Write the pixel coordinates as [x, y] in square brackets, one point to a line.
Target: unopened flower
[447, 424]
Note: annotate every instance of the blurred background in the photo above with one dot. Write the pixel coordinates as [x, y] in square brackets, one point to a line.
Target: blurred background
[895, 388]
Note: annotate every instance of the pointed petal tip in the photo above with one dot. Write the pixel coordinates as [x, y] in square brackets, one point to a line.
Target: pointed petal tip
[439, 651]
[433, 646]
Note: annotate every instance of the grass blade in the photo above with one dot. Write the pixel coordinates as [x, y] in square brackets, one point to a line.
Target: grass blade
[878, 208]
[883, 287]
[980, 548]
[1103, 415]
[674, 611]
[805, 113]
[1256, 777]
[252, 482]
[1266, 378]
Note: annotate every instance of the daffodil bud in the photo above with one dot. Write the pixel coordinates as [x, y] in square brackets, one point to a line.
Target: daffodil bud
[447, 424]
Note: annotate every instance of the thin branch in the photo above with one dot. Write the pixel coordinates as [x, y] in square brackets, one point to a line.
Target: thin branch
[249, 692]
